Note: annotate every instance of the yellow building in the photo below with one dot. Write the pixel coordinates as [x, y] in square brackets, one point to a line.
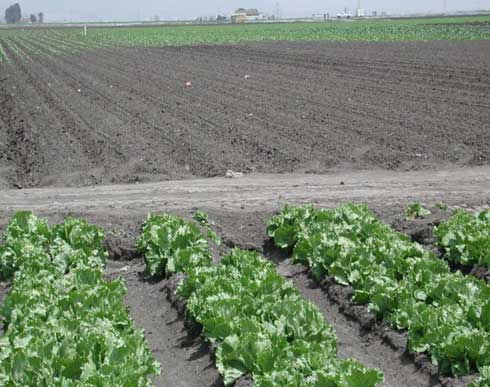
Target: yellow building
[242, 15]
[239, 17]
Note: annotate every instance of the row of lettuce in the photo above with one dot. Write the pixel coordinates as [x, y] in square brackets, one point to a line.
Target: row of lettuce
[258, 321]
[65, 325]
[445, 313]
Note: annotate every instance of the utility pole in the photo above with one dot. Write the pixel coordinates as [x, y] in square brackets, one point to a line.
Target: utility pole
[278, 11]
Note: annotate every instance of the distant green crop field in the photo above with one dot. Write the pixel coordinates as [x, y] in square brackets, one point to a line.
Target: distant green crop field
[383, 30]
[34, 41]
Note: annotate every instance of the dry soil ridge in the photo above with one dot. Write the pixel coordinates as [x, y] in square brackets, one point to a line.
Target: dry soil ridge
[260, 192]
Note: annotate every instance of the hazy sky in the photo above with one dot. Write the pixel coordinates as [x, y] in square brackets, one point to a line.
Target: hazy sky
[56, 10]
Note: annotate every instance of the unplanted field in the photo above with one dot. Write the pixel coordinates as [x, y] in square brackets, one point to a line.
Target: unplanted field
[126, 115]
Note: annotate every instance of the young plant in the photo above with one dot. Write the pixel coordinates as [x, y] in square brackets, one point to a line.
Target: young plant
[415, 211]
[203, 219]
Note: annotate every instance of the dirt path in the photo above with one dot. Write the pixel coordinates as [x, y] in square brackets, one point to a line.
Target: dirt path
[258, 192]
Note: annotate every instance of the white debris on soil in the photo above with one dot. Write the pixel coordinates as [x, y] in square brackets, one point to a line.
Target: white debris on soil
[233, 175]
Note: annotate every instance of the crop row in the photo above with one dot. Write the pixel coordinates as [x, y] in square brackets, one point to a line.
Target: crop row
[445, 313]
[65, 324]
[258, 321]
[70, 40]
[29, 45]
[3, 54]
[15, 50]
[391, 30]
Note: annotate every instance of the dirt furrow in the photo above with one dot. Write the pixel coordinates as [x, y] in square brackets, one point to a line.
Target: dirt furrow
[185, 361]
[338, 115]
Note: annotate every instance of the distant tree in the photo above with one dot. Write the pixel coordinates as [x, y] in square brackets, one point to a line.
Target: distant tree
[40, 17]
[13, 14]
[33, 18]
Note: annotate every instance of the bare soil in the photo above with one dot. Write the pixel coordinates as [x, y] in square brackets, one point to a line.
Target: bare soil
[383, 190]
[185, 359]
[125, 115]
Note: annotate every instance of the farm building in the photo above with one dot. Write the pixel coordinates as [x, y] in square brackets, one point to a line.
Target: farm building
[242, 15]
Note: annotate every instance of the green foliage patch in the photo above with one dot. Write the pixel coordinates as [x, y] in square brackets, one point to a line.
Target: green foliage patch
[416, 210]
[446, 314]
[465, 238]
[65, 324]
[259, 322]
[264, 327]
[172, 245]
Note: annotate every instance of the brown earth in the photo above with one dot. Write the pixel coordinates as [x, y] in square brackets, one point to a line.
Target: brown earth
[125, 115]
[185, 360]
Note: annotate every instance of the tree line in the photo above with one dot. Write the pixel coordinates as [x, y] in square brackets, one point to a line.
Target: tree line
[13, 15]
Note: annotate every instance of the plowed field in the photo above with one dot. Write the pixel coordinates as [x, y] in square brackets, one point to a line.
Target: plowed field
[126, 115]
